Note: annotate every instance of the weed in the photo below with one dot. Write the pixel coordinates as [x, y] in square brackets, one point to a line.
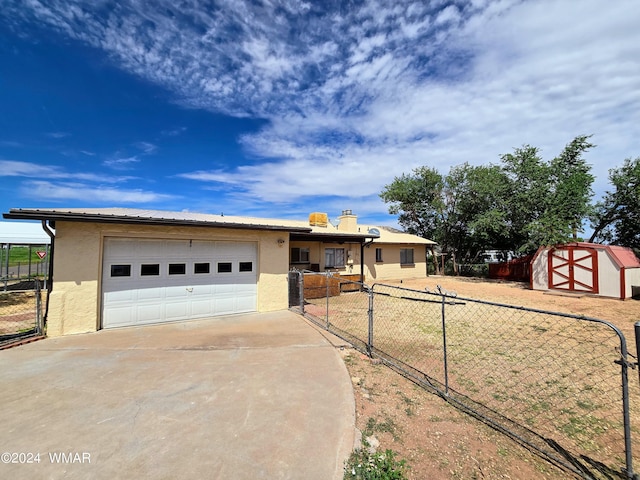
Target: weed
[364, 465]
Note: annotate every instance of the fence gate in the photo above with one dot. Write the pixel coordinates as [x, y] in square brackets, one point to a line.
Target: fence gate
[20, 313]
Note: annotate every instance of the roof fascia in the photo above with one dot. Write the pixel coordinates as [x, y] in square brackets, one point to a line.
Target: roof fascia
[124, 219]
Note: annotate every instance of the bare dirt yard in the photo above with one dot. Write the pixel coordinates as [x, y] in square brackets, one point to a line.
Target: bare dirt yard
[439, 441]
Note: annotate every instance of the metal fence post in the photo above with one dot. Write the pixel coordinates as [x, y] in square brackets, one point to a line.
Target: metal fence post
[327, 279]
[301, 290]
[444, 343]
[39, 328]
[636, 328]
[370, 315]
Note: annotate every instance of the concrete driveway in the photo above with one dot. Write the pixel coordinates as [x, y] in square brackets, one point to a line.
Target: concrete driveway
[246, 397]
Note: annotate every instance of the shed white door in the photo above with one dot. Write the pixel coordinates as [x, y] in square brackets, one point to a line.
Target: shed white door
[148, 281]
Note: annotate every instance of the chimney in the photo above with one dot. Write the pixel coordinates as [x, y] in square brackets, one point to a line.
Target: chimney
[348, 222]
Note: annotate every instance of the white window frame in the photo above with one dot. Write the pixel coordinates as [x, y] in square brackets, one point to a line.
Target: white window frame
[334, 257]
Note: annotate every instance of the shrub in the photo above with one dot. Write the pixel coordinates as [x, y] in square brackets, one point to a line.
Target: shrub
[364, 465]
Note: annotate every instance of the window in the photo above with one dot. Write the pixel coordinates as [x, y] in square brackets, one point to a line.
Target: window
[224, 267]
[149, 269]
[120, 270]
[333, 257]
[406, 256]
[246, 266]
[177, 268]
[378, 255]
[300, 255]
[201, 267]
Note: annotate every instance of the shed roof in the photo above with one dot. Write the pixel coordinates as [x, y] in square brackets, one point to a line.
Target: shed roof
[624, 257]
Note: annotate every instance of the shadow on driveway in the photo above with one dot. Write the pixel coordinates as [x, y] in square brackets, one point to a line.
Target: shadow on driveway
[247, 397]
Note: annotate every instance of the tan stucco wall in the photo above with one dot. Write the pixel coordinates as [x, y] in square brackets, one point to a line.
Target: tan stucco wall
[388, 269]
[75, 303]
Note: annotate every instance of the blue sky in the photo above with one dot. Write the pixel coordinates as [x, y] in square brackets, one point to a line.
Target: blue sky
[282, 108]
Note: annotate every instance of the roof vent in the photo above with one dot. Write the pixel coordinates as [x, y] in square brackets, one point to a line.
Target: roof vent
[347, 212]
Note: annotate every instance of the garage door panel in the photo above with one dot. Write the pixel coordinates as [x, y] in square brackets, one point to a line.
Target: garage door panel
[150, 294]
[176, 293]
[225, 306]
[120, 315]
[151, 313]
[196, 289]
[201, 308]
[176, 311]
[126, 296]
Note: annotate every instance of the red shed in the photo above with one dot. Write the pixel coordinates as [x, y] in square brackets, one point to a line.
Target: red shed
[592, 268]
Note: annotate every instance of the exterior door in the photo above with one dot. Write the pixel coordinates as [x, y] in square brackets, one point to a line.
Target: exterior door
[573, 268]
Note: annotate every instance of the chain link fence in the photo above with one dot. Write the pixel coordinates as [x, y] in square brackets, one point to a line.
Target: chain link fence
[23, 263]
[556, 383]
[21, 312]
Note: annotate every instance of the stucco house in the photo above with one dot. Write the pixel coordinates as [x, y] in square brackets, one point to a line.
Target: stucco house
[386, 253]
[119, 267]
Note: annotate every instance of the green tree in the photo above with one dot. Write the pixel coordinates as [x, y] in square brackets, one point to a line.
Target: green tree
[477, 215]
[570, 202]
[527, 196]
[519, 205]
[417, 199]
[616, 218]
[547, 201]
[461, 211]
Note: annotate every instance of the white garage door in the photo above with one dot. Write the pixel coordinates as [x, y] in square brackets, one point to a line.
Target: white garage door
[153, 281]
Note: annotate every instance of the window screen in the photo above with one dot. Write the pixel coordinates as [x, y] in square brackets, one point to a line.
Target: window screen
[406, 256]
[300, 255]
[334, 257]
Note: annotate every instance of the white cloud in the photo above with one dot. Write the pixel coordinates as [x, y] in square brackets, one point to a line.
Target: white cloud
[12, 168]
[43, 190]
[58, 135]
